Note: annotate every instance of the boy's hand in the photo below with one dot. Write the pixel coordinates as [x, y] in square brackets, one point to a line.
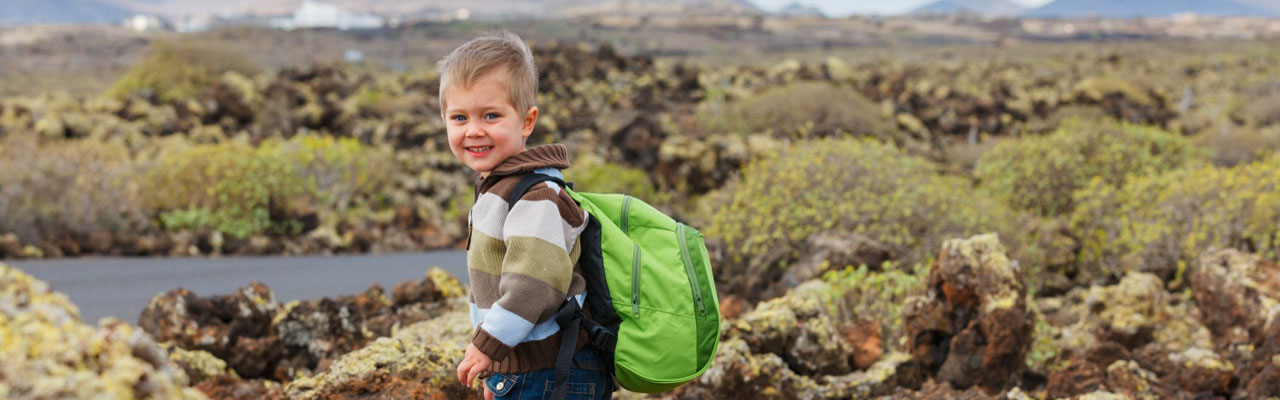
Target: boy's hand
[473, 363]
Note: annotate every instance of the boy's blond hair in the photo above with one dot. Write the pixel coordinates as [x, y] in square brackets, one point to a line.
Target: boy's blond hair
[487, 53]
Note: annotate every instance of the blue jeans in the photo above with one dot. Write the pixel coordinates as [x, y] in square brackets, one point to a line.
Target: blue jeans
[588, 380]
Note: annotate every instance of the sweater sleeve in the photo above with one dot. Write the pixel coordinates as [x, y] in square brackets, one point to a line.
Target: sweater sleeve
[535, 275]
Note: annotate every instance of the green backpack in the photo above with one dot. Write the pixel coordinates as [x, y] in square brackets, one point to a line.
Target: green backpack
[651, 300]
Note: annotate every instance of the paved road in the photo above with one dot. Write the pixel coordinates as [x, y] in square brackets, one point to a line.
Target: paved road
[121, 287]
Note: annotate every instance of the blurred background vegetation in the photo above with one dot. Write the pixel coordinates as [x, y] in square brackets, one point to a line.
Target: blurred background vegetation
[1090, 159]
[1128, 168]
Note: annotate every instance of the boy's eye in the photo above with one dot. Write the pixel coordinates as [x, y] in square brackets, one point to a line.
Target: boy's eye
[492, 115]
[458, 117]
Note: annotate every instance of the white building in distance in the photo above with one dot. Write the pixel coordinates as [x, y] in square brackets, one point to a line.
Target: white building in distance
[143, 23]
[315, 14]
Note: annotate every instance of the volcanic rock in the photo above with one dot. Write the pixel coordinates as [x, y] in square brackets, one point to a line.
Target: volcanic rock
[1233, 291]
[789, 348]
[235, 328]
[972, 327]
[261, 339]
[417, 362]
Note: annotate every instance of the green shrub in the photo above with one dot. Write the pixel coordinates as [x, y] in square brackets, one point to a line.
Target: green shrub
[242, 190]
[1040, 173]
[236, 185]
[1161, 223]
[66, 188]
[805, 109]
[861, 187]
[176, 70]
[1044, 344]
[194, 218]
[340, 173]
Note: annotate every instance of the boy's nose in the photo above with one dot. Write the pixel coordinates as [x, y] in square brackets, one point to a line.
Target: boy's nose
[474, 130]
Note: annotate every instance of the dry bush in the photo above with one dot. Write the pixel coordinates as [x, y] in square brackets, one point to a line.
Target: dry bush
[66, 189]
[1258, 105]
[1040, 173]
[1054, 119]
[803, 109]
[1265, 110]
[176, 70]
[1097, 88]
[1234, 145]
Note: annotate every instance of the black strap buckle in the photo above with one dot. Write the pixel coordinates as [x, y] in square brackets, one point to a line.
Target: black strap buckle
[601, 337]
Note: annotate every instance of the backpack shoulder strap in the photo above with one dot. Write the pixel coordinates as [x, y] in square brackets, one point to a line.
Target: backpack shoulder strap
[527, 183]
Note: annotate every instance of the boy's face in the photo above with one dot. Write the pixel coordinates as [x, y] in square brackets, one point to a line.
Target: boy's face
[484, 127]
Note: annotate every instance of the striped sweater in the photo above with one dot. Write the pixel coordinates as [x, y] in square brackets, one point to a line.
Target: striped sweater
[523, 261]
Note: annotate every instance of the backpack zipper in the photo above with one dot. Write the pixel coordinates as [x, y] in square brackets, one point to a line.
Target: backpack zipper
[626, 207]
[635, 281]
[688, 267]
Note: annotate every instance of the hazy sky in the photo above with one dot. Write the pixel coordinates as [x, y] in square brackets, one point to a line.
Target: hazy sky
[846, 7]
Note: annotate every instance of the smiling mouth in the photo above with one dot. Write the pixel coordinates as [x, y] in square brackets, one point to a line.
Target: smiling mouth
[480, 149]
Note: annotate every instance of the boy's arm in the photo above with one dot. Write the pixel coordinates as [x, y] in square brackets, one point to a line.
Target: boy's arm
[535, 274]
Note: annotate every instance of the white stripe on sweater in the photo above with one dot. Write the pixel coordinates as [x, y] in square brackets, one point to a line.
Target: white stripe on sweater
[488, 213]
[536, 218]
[509, 328]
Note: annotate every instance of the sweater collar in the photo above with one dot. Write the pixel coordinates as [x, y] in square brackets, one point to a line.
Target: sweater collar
[553, 155]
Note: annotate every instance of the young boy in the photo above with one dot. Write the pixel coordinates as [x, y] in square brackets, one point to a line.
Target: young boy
[522, 261]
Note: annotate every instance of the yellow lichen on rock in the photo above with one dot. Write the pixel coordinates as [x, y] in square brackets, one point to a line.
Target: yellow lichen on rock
[984, 251]
[418, 361]
[198, 364]
[1198, 357]
[1128, 377]
[1101, 395]
[46, 352]
[987, 256]
[445, 282]
[450, 330]
[1139, 303]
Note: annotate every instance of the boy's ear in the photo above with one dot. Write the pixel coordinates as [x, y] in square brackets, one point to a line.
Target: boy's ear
[530, 119]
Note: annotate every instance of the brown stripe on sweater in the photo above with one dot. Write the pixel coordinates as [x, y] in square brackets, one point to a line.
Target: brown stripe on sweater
[526, 356]
[532, 307]
[484, 288]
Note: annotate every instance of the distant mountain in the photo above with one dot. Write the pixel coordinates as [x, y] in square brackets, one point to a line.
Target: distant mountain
[990, 8]
[22, 12]
[1272, 5]
[796, 9]
[476, 8]
[1149, 8]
